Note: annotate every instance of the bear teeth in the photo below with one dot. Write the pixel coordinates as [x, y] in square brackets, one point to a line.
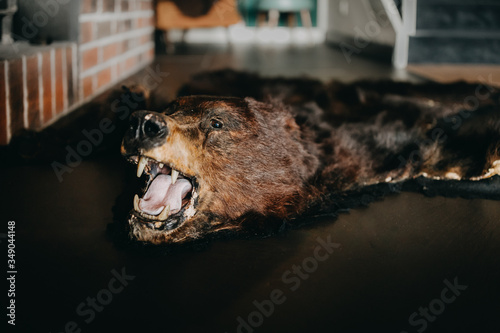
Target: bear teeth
[143, 161]
[136, 203]
[164, 213]
[174, 175]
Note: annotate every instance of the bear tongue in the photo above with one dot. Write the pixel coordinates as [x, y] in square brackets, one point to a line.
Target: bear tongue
[161, 193]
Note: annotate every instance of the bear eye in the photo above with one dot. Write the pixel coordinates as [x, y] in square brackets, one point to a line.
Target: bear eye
[216, 124]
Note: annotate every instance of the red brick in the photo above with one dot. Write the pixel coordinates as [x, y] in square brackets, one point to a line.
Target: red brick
[146, 39]
[103, 29]
[103, 77]
[86, 32]
[88, 87]
[146, 56]
[89, 59]
[60, 96]
[119, 47]
[125, 25]
[134, 43]
[125, 5]
[146, 5]
[69, 74]
[124, 46]
[16, 95]
[33, 92]
[89, 6]
[151, 53]
[143, 22]
[108, 5]
[128, 64]
[131, 5]
[3, 107]
[47, 87]
[130, 44]
[110, 51]
[151, 21]
[115, 71]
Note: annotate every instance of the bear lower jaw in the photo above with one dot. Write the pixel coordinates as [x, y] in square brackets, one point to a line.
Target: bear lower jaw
[141, 231]
[138, 223]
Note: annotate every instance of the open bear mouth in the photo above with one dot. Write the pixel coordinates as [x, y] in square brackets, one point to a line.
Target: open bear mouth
[169, 197]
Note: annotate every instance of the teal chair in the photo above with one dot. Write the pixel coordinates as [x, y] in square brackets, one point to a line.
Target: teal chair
[275, 7]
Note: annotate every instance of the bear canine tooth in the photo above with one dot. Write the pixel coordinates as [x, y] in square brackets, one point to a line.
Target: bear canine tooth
[141, 165]
[164, 213]
[136, 203]
[175, 174]
[161, 165]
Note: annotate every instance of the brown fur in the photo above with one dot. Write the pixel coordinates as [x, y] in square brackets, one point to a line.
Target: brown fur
[275, 159]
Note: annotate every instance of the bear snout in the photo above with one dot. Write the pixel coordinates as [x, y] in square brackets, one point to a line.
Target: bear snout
[146, 130]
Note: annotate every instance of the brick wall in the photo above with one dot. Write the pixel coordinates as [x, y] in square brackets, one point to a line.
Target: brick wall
[116, 39]
[39, 84]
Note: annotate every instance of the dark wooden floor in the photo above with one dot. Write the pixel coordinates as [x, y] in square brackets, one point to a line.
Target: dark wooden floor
[321, 62]
[390, 261]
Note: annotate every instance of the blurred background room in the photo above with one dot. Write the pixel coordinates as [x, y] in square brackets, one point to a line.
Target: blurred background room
[77, 50]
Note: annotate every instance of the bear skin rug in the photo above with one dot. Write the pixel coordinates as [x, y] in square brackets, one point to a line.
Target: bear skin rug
[239, 154]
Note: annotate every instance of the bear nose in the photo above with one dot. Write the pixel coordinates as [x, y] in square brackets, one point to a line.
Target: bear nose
[147, 130]
[146, 124]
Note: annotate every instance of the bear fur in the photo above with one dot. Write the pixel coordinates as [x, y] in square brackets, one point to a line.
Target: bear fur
[260, 152]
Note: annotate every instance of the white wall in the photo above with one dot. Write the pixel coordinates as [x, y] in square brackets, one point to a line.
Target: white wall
[360, 19]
